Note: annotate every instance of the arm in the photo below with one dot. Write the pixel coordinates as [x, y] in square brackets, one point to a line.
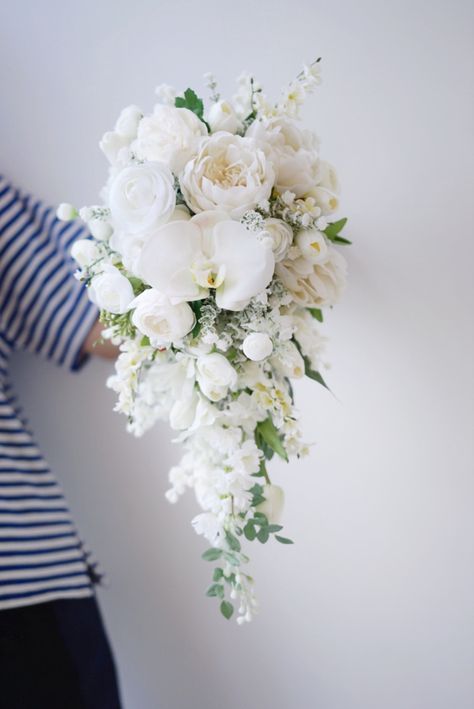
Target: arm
[93, 345]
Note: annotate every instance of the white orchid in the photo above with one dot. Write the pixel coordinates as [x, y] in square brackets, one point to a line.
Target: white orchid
[186, 259]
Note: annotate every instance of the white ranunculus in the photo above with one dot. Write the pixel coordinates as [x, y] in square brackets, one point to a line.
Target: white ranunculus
[314, 285]
[161, 321]
[229, 173]
[288, 361]
[127, 122]
[111, 291]
[222, 116]
[142, 197]
[84, 252]
[281, 235]
[215, 375]
[293, 152]
[257, 346]
[170, 136]
[184, 259]
[272, 506]
[313, 245]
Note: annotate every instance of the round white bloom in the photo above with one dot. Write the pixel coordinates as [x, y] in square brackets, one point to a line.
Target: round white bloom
[222, 116]
[65, 212]
[314, 285]
[170, 135]
[184, 259]
[281, 235]
[127, 122]
[288, 361]
[293, 152]
[157, 318]
[142, 197]
[112, 144]
[257, 346]
[215, 375]
[313, 245]
[230, 173]
[111, 291]
[100, 229]
[84, 252]
[272, 506]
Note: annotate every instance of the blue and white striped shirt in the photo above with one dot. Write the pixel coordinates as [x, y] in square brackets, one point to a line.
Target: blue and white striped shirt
[43, 309]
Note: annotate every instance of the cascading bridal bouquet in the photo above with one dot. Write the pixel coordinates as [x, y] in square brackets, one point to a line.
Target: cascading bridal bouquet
[211, 261]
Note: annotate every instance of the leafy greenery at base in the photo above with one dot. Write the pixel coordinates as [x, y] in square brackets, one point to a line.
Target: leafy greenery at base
[333, 230]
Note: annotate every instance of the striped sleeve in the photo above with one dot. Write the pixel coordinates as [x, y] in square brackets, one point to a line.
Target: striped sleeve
[43, 308]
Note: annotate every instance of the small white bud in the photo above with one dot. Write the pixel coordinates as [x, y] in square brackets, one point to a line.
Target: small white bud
[100, 229]
[66, 212]
[257, 346]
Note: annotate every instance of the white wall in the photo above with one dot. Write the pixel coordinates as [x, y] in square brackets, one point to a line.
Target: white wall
[371, 608]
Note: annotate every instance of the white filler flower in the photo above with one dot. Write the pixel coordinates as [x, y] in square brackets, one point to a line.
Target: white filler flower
[185, 259]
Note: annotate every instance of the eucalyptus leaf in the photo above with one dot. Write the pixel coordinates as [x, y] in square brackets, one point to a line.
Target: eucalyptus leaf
[227, 609]
[283, 540]
[212, 554]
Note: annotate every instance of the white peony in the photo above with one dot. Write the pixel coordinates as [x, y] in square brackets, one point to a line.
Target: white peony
[281, 235]
[111, 291]
[84, 252]
[185, 259]
[314, 284]
[215, 375]
[170, 136]
[161, 321]
[293, 152]
[257, 346]
[142, 197]
[222, 116]
[229, 173]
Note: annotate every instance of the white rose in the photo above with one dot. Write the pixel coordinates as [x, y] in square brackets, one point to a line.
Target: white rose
[281, 235]
[142, 197]
[127, 122]
[222, 116]
[313, 245]
[215, 375]
[288, 361]
[229, 173]
[170, 135]
[293, 152]
[257, 346]
[84, 252]
[157, 318]
[111, 291]
[272, 506]
[314, 285]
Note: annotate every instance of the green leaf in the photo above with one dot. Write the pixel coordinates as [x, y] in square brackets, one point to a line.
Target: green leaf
[192, 102]
[212, 554]
[316, 376]
[272, 528]
[217, 589]
[283, 540]
[249, 531]
[260, 518]
[341, 240]
[269, 434]
[137, 285]
[316, 313]
[262, 535]
[227, 609]
[218, 574]
[334, 228]
[232, 541]
[196, 306]
[145, 341]
[231, 558]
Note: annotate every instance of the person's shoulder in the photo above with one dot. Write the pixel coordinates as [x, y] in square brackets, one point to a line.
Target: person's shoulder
[18, 208]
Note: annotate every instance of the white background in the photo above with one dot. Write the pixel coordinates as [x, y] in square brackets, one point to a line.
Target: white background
[371, 608]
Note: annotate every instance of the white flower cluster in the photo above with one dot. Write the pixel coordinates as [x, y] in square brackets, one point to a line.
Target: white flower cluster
[210, 260]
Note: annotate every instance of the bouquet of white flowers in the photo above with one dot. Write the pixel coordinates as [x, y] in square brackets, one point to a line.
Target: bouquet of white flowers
[211, 260]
